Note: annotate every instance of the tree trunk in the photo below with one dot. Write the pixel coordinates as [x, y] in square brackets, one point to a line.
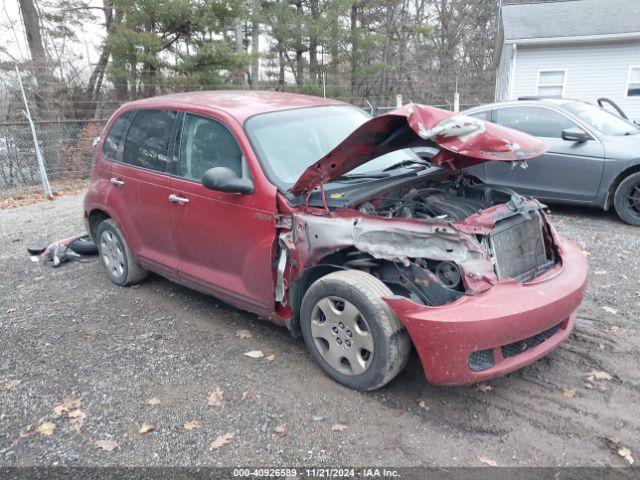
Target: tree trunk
[31, 22]
[299, 74]
[314, 71]
[354, 48]
[255, 43]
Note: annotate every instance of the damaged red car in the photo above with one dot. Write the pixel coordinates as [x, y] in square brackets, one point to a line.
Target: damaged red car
[364, 235]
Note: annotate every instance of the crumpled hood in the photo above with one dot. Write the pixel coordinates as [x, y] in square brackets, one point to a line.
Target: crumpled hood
[463, 141]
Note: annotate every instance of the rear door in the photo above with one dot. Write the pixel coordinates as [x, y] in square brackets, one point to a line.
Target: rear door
[225, 240]
[568, 171]
[141, 189]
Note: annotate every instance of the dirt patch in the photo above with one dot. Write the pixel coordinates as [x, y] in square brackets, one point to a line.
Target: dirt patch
[165, 356]
[22, 196]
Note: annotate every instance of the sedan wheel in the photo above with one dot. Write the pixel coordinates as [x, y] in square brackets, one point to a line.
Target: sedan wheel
[627, 199]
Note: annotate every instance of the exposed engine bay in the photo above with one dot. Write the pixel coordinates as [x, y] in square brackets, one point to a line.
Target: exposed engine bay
[450, 200]
[519, 246]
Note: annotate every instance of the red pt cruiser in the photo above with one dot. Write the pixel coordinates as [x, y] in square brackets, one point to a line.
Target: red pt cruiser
[363, 234]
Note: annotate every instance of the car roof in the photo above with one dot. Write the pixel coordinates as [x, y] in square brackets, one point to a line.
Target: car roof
[528, 101]
[240, 104]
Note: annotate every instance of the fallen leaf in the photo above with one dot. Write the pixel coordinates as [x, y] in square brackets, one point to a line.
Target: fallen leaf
[569, 392]
[625, 453]
[11, 311]
[270, 358]
[153, 401]
[583, 248]
[422, 404]
[76, 419]
[215, 397]
[612, 330]
[146, 428]
[254, 354]
[68, 403]
[281, 430]
[248, 395]
[482, 387]
[607, 286]
[600, 272]
[483, 459]
[221, 441]
[621, 450]
[46, 429]
[193, 425]
[610, 310]
[338, 427]
[11, 384]
[106, 445]
[26, 431]
[598, 375]
[242, 334]
[398, 412]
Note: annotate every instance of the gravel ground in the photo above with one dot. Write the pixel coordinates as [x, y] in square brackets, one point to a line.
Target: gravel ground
[70, 332]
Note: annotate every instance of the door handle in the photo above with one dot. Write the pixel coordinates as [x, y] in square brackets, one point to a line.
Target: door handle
[176, 199]
[116, 181]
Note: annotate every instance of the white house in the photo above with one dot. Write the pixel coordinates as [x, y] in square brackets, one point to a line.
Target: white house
[583, 49]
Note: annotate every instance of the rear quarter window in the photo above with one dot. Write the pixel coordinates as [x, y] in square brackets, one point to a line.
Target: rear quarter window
[113, 141]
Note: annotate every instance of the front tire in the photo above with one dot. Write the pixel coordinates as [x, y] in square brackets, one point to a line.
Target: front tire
[351, 332]
[627, 199]
[116, 257]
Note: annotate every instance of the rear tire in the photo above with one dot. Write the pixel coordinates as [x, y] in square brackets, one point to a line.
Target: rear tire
[627, 199]
[351, 332]
[116, 257]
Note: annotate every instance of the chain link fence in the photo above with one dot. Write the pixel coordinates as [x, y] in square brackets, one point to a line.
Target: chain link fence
[67, 144]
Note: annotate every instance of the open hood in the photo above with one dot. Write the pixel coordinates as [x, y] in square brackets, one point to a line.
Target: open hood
[462, 141]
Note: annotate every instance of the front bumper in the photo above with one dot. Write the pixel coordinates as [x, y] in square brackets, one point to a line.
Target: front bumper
[510, 326]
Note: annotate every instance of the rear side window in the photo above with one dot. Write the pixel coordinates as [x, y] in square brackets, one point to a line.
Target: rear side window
[536, 121]
[148, 139]
[114, 138]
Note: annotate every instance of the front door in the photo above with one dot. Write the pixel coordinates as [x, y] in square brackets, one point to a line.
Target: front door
[141, 185]
[225, 241]
[567, 171]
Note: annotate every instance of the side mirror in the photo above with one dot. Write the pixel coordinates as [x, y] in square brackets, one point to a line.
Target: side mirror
[575, 135]
[224, 179]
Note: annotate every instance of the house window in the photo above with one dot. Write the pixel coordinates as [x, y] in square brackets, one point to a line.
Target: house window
[551, 83]
[633, 82]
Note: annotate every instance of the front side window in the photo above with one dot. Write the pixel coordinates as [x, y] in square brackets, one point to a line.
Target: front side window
[147, 142]
[114, 138]
[633, 84]
[536, 121]
[603, 121]
[205, 144]
[551, 83]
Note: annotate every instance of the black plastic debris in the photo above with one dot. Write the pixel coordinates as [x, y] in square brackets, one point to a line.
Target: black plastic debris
[62, 251]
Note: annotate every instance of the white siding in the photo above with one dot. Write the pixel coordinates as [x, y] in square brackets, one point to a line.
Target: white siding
[593, 71]
[503, 73]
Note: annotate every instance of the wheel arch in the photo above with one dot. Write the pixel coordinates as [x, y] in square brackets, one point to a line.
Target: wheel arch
[613, 186]
[95, 218]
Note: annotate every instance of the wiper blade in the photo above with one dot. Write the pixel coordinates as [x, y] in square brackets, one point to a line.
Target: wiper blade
[355, 176]
[404, 163]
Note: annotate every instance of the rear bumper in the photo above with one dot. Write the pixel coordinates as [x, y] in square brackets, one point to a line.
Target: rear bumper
[512, 325]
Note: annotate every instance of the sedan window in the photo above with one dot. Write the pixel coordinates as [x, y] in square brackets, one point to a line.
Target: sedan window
[536, 121]
[205, 144]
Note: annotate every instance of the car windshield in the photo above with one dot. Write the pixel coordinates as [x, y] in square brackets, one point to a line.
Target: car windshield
[288, 141]
[601, 120]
